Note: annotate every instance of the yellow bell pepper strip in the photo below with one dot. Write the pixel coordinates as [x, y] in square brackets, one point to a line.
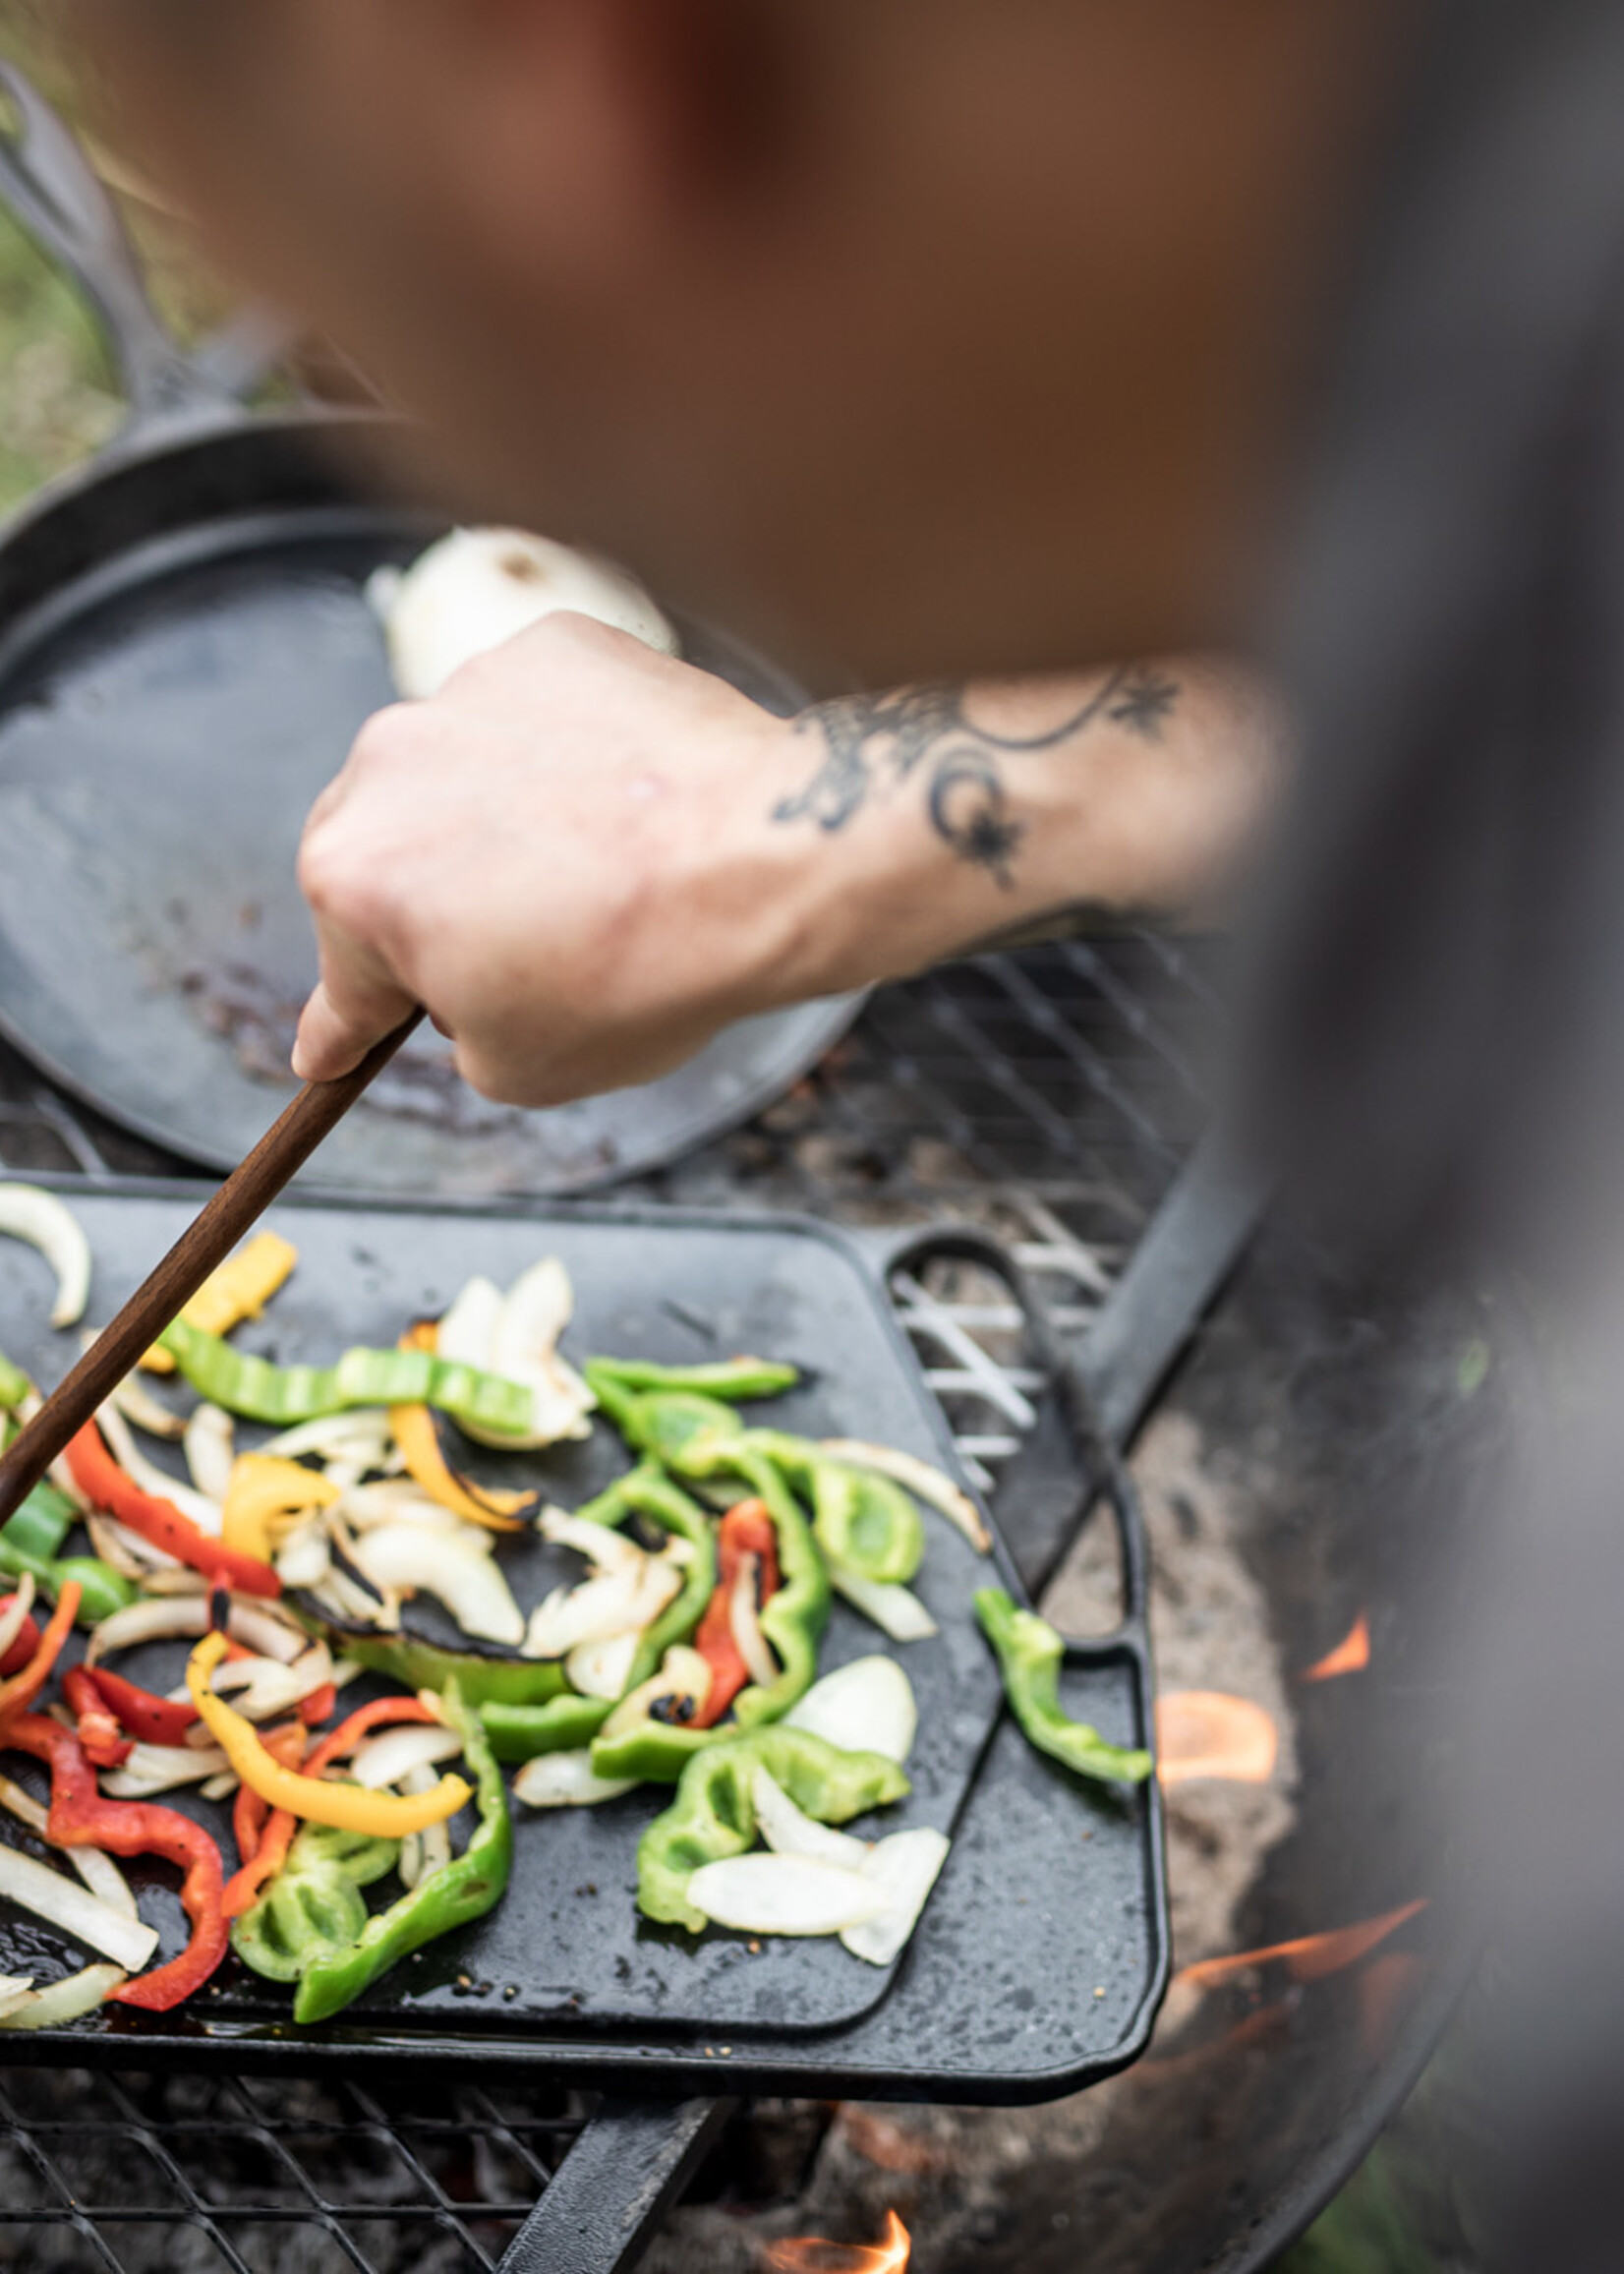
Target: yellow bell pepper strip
[264, 1495]
[386, 1815]
[418, 1437]
[238, 1289]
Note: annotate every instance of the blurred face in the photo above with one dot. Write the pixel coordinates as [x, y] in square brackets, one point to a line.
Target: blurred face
[905, 340]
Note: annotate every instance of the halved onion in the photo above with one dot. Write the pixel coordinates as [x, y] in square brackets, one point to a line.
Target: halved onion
[784, 1895]
[210, 1445]
[905, 1867]
[789, 1832]
[895, 1610]
[67, 2001]
[866, 1706]
[937, 1489]
[601, 1668]
[456, 1568]
[28, 1212]
[16, 1612]
[83, 1918]
[196, 1506]
[386, 1759]
[567, 1781]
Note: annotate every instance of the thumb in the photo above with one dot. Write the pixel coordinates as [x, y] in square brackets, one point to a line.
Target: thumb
[342, 1020]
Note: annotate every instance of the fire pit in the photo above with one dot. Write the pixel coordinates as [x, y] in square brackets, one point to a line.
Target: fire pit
[1292, 1481]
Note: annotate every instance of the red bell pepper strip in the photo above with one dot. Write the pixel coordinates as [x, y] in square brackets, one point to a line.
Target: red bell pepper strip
[272, 1843]
[81, 1816]
[105, 1486]
[747, 1528]
[318, 1707]
[156, 1720]
[24, 1644]
[104, 1742]
[18, 1694]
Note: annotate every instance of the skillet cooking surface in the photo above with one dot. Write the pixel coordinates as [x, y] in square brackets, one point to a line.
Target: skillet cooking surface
[165, 722]
[567, 1944]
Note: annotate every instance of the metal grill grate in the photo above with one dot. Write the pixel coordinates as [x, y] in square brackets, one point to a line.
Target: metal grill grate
[1052, 1097]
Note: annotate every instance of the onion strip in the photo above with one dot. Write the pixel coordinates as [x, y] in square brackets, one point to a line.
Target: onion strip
[392, 1756]
[82, 1916]
[98, 1871]
[67, 2001]
[28, 1212]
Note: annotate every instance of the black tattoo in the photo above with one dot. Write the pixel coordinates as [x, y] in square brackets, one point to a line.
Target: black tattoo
[874, 743]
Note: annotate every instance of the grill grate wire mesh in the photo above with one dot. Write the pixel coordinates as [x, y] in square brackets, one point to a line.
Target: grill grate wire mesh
[1050, 1097]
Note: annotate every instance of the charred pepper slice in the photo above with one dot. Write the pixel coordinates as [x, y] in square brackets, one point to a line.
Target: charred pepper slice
[714, 1813]
[1029, 1653]
[461, 1890]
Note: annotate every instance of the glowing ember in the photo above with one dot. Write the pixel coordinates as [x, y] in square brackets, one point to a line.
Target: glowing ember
[806, 2254]
[1311, 1957]
[1209, 1733]
[1350, 1657]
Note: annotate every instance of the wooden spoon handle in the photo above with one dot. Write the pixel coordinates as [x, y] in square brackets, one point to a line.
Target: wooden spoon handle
[205, 1243]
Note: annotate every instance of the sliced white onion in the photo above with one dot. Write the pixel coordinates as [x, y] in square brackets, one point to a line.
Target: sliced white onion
[683, 1673]
[263, 1688]
[601, 1668]
[386, 1759]
[135, 1402]
[345, 1600]
[620, 1602]
[399, 1501]
[211, 1444]
[196, 1506]
[264, 1628]
[162, 1769]
[16, 1990]
[788, 1830]
[866, 1707]
[895, 1610]
[81, 1915]
[784, 1895]
[567, 1781]
[744, 1618]
[159, 1619]
[98, 1871]
[356, 1434]
[67, 2001]
[14, 1617]
[936, 1489]
[175, 1579]
[604, 1548]
[516, 1336]
[905, 1867]
[423, 1853]
[26, 1212]
[220, 1787]
[458, 1571]
[125, 1550]
[468, 1331]
[303, 1559]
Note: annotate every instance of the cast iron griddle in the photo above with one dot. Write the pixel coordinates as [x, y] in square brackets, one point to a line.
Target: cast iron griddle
[166, 719]
[1042, 1954]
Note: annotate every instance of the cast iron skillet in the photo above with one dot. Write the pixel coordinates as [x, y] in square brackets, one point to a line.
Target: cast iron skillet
[186, 654]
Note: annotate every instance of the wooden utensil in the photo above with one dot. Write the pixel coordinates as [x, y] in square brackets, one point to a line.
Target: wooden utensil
[240, 1202]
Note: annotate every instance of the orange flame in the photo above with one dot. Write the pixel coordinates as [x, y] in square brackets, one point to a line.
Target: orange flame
[1209, 1733]
[1350, 1657]
[1311, 1957]
[806, 2254]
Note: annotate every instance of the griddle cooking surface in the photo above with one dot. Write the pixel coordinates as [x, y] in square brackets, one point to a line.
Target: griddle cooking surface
[165, 724]
[567, 1944]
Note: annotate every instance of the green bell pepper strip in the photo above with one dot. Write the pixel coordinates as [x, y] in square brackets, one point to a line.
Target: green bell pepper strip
[282, 1396]
[416, 1665]
[727, 1377]
[567, 1724]
[1029, 1653]
[863, 1522]
[313, 1908]
[660, 1422]
[792, 1621]
[714, 1813]
[28, 1544]
[461, 1890]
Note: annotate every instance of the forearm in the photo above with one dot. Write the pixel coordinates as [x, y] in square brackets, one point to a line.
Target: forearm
[953, 816]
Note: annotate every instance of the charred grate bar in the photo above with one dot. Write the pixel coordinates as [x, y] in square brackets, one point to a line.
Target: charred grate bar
[1051, 1097]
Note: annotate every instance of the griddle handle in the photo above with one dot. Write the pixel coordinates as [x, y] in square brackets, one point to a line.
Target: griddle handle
[205, 1243]
[56, 195]
[602, 2205]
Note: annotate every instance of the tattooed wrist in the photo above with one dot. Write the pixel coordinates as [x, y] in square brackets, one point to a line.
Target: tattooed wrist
[873, 745]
